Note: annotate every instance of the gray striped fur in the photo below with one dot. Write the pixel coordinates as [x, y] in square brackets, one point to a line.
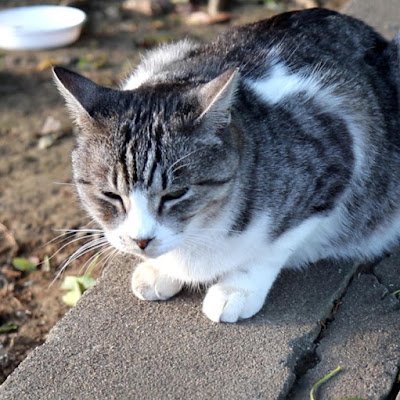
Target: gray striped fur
[294, 119]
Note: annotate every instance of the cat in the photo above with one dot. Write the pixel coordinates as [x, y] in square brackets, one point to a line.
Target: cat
[275, 145]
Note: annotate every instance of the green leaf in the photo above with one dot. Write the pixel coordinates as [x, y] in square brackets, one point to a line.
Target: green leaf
[23, 264]
[75, 286]
[82, 63]
[72, 297]
[396, 292]
[46, 264]
[8, 327]
[69, 283]
[86, 282]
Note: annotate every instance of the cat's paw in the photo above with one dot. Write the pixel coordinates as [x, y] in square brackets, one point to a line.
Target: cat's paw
[149, 284]
[225, 303]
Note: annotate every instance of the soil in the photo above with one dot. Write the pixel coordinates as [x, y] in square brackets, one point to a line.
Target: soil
[36, 137]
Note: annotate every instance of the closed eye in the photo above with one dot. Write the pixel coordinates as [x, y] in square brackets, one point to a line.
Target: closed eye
[174, 195]
[112, 196]
[114, 199]
[214, 182]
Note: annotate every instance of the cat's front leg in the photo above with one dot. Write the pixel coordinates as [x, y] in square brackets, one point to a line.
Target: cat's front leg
[148, 283]
[240, 293]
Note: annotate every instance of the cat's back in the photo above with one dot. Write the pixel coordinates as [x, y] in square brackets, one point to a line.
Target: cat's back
[311, 38]
[299, 37]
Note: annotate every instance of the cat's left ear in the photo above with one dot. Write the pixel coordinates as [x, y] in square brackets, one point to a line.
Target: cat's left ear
[84, 98]
[217, 96]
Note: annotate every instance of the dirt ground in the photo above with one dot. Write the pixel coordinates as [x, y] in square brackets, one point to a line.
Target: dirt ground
[36, 137]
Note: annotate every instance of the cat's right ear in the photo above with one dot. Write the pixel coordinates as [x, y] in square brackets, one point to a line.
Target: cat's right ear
[217, 96]
[81, 94]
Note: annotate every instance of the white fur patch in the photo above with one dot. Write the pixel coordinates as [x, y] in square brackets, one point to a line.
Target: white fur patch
[240, 294]
[281, 83]
[245, 265]
[154, 61]
[138, 224]
[209, 255]
[148, 283]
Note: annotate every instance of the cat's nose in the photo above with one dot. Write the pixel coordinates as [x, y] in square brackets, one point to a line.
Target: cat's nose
[142, 243]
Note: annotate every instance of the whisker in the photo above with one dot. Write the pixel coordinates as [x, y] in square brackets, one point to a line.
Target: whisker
[87, 247]
[69, 235]
[64, 267]
[96, 243]
[78, 230]
[69, 243]
[108, 259]
[91, 262]
[182, 158]
[179, 167]
[221, 230]
[92, 221]
[55, 239]
[112, 251]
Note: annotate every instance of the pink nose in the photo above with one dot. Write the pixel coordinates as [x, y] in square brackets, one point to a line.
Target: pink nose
[142, 243]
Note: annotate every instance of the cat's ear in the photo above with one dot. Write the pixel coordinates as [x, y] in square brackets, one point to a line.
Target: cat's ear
[216, 98]
[82, 96]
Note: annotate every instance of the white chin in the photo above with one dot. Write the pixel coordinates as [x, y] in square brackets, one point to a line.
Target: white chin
[154, 253]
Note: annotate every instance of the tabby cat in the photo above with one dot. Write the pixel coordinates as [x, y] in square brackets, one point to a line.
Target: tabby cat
[275, 145]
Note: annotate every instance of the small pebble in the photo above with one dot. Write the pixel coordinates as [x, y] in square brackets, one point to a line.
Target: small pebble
[46, 141]
[51, 125]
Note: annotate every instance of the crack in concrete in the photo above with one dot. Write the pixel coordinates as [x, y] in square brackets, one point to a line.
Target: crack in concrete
[309, 359]
[395, 390]
[389, 291]
[394, 393]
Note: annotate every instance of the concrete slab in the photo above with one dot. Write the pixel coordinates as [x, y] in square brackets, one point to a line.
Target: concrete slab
[116, 347]
[364, 339]
[111, 346]
[388, 272]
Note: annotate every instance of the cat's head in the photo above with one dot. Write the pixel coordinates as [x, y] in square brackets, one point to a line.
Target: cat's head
[155, 164]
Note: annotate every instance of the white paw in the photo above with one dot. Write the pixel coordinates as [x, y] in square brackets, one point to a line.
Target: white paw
[228, 304]
[149, 284]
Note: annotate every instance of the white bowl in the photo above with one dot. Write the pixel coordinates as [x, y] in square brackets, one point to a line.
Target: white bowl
[40, 27]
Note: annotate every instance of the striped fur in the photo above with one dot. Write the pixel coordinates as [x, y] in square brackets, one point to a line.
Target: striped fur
[275, 145]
